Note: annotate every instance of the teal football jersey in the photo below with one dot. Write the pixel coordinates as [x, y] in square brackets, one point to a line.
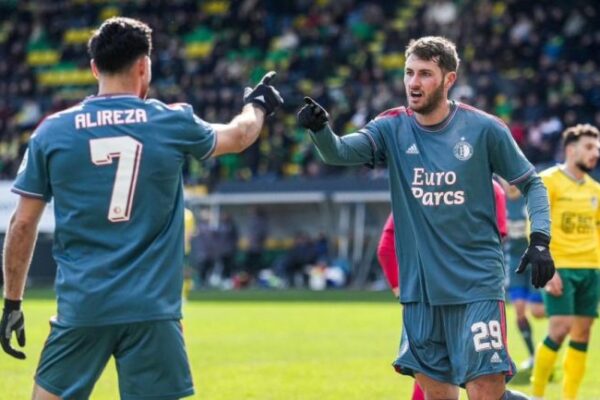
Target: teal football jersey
[447, 240]
[113, 165]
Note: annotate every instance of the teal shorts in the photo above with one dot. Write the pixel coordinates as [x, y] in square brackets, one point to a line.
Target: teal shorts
[150, 357]
[454, 343]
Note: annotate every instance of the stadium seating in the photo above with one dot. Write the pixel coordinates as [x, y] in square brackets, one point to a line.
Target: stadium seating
[535, 66]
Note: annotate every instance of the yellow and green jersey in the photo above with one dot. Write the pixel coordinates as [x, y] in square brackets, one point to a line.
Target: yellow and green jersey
[575, 214]
[189, 226]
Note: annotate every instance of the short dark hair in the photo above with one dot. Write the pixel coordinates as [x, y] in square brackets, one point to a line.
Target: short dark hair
[573, 133]
[118, 43]
[437, 49]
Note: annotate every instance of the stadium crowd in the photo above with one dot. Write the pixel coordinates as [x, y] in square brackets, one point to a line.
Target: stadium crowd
[530, 64]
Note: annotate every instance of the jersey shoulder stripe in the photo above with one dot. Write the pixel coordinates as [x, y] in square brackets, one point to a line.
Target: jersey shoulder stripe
[54, 118]
[66, 111]
[484, 114]
[393, 112]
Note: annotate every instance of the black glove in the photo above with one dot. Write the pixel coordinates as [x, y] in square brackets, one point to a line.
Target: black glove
[538, 255]
[264, 95]
[312, 116]
[12, 320]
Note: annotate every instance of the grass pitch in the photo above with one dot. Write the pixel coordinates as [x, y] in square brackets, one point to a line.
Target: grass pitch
[267, 345]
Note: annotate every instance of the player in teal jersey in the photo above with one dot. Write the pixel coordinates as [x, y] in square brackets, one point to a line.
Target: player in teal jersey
[441, 155]
[113, 165]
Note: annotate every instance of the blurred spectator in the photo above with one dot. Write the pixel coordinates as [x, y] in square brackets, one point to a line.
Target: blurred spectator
[203, 251]
[227, 245]
[530, 63]
[292, 266]
[257, 236]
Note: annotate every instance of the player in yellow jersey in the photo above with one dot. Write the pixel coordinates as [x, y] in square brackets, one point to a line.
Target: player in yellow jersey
[189, 226]
[571, 296]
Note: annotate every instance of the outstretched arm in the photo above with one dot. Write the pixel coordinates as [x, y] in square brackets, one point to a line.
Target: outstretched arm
[243, 130]
[352, 149]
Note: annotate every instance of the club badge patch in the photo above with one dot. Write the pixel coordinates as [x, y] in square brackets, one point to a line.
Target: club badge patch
[463, 150]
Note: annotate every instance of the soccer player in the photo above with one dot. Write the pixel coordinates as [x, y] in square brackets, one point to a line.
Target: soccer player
[521, 292]
[571, 296]
[386, 254]
[113, 165]
[441, 155]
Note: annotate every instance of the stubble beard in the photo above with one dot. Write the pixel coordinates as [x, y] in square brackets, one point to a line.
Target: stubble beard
[585, 168]
[435, 99]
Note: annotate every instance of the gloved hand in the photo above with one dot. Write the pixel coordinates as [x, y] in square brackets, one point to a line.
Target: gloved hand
[538, 255]
[12, 321]
[264, 95]
[312, 116]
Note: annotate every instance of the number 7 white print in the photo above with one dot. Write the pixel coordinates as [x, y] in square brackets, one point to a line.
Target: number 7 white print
[129, 152]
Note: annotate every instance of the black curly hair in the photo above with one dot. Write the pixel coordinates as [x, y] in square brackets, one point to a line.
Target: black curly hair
[118, 43]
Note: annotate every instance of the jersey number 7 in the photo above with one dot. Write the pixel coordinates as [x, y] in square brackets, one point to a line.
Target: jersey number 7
[129, 152]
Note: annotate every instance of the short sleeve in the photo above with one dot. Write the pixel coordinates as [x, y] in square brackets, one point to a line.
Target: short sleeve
[33, 179]
[198, 136]
[506, 157]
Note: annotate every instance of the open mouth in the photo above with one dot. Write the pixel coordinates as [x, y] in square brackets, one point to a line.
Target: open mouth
[415, 94]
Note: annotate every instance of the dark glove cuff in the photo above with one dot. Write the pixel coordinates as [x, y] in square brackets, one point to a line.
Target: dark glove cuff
[12, 305]
[318, 127]
[539, 238]
[257, 103]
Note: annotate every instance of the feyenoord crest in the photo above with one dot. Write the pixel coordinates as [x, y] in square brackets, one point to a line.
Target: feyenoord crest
[463, 150]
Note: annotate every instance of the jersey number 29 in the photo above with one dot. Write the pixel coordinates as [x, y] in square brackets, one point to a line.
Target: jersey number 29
[129, 152]
[487, 336]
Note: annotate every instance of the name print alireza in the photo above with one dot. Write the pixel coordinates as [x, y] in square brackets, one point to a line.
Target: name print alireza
[110, 117]
[424, 181]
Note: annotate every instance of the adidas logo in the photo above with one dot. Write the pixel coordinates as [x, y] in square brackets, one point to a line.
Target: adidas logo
[412, 149]
[260, 98]
[496, 358]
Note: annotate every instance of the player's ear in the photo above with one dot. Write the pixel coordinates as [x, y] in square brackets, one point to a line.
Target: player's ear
[144, 65]
[141, 66]
[94, 68]
[449, 79]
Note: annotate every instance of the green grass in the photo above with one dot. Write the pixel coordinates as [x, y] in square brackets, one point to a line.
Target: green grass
[280, 345]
